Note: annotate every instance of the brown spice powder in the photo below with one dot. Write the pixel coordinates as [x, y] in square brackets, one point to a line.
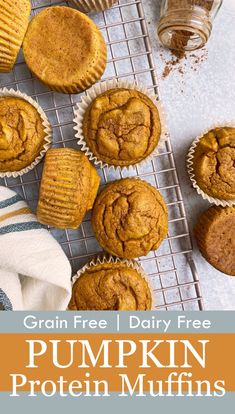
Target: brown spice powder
[181, 65]
[180, 38]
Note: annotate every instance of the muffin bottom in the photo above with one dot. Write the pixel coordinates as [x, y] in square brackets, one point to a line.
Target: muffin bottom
[87, 6]
[215, 237]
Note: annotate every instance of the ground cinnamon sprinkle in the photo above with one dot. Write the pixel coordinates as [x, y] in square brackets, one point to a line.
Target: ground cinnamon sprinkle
[180, 65]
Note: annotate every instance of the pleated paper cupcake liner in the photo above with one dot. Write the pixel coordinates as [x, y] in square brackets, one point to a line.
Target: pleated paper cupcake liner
[47, 130]
[105, 258]
[14, 19]
[92, 94]
[190, 169]
[87, 6]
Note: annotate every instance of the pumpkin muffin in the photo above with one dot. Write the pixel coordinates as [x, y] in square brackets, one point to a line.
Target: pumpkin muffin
[215, 237]
[122, 127]
[68, 188]
[111, 286]
[87, 6]
[214, 163]
[22, 134]
[130, 218]
[14, 20]
[65, 49]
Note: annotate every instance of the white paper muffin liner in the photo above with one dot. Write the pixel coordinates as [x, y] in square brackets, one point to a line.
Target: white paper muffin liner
[189, 164]
[92, 94]
[47, 130]
[101, 259]
[88, 6]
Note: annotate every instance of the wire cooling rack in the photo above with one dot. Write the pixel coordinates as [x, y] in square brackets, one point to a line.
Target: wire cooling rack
[171, 269]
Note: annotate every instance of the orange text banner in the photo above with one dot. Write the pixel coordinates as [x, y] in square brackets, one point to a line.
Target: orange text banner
[118, 359]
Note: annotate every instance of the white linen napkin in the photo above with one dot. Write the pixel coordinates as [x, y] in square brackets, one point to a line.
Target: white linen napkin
[34, 271]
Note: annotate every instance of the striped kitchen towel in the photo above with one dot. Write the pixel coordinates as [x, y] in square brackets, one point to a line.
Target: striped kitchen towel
[34, 271]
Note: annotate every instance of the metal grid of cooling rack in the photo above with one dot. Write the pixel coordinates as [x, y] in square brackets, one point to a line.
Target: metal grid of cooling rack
[171, 269]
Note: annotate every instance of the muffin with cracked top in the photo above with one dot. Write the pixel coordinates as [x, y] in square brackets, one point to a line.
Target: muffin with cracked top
[111, 286]
[214, 163]
[122, 127]
[130, 218]
[22, 134]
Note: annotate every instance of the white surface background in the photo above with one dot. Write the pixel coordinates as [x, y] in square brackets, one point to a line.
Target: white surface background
[195, 101]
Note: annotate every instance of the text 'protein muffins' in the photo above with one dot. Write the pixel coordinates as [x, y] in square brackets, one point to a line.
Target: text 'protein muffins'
[130, 218]
[68, 188]
[65, 49]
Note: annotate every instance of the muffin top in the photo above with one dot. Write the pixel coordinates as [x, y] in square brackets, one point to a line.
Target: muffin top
[21, 134]
[129, 218]
[215, 236]
[62, 47]
[122, 127]
[214, 163]
[68, 188]
[111, 286]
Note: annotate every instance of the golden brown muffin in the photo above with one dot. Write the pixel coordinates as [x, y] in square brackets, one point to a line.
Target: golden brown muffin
[215, 237]
[214, 163]
[111, 286]
[87, 6]
[22, 134]
[130, 218]
[65, 49]
[14, 20]
[122, 127]
[68, 188]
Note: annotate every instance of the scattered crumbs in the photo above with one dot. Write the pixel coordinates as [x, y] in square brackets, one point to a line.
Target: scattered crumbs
[178, 61]
[166, 71]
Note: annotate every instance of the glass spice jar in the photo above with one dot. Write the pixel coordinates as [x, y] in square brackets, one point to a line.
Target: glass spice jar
[186, 25]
